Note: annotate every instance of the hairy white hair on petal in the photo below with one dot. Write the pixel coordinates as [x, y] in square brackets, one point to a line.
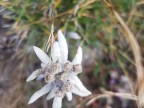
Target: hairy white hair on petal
[74, 35]
[40, 77]
[69, 96]
[55, 52]
[78, 57]
[41, 55]
[34, 75]
[76, 91]
[40, 93]
[57, 102]
[43, 65]
[76, 81]
[63, 46]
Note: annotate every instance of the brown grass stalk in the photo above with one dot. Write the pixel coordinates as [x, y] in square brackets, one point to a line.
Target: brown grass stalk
[108, 94]
[136, 52]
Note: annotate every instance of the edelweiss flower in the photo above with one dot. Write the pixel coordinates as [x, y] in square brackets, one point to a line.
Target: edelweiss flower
[59, 73]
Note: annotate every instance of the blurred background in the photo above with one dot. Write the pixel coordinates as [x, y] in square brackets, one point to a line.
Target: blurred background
[102, 27]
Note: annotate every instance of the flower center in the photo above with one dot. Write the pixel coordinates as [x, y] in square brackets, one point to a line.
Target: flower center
[48, 77]
[53, 67]
[61, 76]
[67, 66]
[67, 86]
[77, 68]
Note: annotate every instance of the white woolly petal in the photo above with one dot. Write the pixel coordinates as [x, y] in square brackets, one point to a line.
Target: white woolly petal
[76, 82]
[57, 102]
[40, 93]
[55, 52]
[43, 65]
[52, 92]
[78, 56]
[34, 74]
[50, 95]
[63, 46]
[76, 91]
[69, 96]
[40, 77]
[74, 35]
[41, 55]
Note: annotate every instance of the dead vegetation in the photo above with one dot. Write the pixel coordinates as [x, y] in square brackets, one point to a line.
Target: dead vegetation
[111, 36]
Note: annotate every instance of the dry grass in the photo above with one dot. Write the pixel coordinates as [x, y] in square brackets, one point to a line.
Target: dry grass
[112, 28]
